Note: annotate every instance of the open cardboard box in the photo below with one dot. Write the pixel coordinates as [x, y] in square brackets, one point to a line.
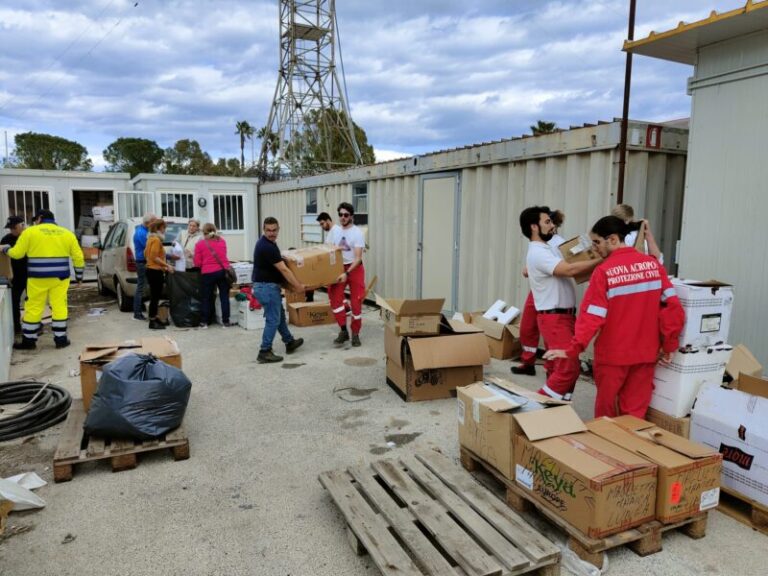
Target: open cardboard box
[503, 339]
[95, 356]
[428, 368]
[408, 317]
[579, 249]
[677, 425]
[487, 424]
[315, 266]
[593, 484]
[688, 474]
[742, 361]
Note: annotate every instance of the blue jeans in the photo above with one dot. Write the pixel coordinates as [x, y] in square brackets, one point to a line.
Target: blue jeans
[138, 298]
[268, 294]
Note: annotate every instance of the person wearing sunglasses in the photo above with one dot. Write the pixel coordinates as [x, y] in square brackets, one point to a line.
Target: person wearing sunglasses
[350, 239]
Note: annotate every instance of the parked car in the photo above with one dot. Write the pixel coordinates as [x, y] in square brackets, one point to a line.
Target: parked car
[116, 266]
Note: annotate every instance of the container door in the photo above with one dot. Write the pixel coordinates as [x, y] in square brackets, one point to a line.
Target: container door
[132, 204]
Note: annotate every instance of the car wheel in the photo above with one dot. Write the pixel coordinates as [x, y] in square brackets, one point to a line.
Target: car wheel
[123, 302]
[100, 284]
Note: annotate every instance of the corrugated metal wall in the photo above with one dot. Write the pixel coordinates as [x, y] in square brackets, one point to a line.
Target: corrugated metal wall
[726, 200]
[581, 181]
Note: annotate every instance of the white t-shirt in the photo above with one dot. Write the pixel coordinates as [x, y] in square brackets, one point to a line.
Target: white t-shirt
[548, 291]
[179, 265]
[556, 240]
[630, 240]
[347, 239]
[331, 231]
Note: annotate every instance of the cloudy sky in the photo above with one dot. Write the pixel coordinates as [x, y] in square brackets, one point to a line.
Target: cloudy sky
[422, 75]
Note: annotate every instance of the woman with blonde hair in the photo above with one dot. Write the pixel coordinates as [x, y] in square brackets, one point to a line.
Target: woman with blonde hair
[211, 258]
[156, 266]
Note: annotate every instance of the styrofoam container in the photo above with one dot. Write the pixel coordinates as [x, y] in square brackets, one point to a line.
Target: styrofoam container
[250, 319]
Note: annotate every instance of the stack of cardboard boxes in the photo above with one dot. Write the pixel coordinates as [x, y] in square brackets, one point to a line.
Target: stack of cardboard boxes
[428, 356]
[702, 358]
[315, 267]
[601, 477]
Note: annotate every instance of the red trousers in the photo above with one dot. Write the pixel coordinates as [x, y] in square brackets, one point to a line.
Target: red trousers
[623, 389]
[529, 332]
[562, 373]
[356, 283]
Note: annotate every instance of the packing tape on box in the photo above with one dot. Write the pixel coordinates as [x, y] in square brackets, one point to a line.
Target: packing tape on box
[497, 394]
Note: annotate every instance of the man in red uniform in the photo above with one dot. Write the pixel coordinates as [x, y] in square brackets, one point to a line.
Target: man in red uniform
[554, 296]
[633, 305]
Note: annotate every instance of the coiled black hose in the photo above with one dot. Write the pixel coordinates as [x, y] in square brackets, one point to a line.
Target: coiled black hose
[44, 406]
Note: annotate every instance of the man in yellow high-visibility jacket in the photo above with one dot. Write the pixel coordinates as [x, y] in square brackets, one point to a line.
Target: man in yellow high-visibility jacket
[49, 248]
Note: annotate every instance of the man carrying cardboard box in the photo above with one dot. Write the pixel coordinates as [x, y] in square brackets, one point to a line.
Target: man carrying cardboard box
[350, 239]
[269, 272]
[554, 296]
[633, 305]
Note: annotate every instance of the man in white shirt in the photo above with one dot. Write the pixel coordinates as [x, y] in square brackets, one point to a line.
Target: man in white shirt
[326, 223]
[351, 240]
[554, 296]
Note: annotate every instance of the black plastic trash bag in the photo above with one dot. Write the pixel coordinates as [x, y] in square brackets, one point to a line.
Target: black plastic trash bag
[184, 296]
[138, 397]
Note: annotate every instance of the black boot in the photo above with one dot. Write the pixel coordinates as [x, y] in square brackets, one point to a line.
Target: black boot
[268, 357]
[155, 324]
[61, 342]
[342, 337]
[25, 344]
[526, 369]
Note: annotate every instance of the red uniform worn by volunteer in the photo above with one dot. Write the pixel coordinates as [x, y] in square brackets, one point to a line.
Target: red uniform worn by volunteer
[634, 307]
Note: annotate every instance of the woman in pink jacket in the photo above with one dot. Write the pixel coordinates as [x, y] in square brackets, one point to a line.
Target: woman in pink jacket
[211, 258]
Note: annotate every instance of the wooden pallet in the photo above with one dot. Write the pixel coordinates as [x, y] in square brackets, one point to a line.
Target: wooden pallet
[743, 509]
[643, 540]
[424, 515]
[75, 447]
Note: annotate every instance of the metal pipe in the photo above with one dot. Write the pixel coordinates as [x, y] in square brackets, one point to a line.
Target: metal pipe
[625, 110]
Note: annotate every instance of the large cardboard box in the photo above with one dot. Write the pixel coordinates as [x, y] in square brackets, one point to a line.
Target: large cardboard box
[291, 296]
[689, 473]
[579, 249]
[315, 266]
[676, 384]
[503, 339]
[679, 426]
[742, 361]
[433, 367]
[6, 270]
[708, 308]
[95, 356]
[735, 423]
[310, 314]
[593, 484]
[411, 317]
[487, 424]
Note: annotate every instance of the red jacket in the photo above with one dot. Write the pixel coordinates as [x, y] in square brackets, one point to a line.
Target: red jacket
[634, 306]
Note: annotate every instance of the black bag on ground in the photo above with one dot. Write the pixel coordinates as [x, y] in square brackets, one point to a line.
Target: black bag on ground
[184, 295]
[138, 397]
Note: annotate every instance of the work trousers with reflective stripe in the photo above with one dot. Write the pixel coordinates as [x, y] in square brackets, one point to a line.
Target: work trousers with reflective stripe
[623, 389]
[356, 283]
[40, 290]
[562, 373]
[529, 332]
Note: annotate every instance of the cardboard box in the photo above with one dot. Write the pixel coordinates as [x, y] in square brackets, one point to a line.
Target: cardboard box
[315, 266]
[578, 249]
[679, 426]
[103, 213]
[593, 484]
[244, 271]
[249, 319]
[310, 313]
[487, 425]
[291, 296]
[503, 340]
[735, 423]
[708, 308]
[433, 367]
[90, 254]
[411, 317]
[742, 362]
[688, 473]
[676, 384]
[95, 356]
[6, 270]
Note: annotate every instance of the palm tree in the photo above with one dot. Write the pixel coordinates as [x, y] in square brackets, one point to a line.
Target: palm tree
[245, 131]
[543, 127]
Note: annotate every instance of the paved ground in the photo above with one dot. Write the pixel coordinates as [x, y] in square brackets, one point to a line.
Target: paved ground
[248, 501]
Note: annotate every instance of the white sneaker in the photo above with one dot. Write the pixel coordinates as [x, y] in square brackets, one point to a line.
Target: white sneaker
[203, 326]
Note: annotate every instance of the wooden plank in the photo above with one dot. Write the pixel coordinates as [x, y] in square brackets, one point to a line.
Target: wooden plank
[537, 547]
[95, 446]
[403, 522]
[71, 433]
[123, 455]
[503, 549]
[371, 530]
[177, 435]
[467, 553]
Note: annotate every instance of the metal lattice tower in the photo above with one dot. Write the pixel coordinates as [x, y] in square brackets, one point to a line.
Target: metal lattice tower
[308, 89]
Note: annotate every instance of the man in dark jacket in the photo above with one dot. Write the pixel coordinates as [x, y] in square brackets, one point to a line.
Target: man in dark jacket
[15, 226]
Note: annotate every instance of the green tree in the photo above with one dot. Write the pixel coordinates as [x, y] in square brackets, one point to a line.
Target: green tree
[186, 157]
[326, 144]
[271, 171]
[226, 167]
[245, 131]
[543, 127]
[134, 155]
[46, 152]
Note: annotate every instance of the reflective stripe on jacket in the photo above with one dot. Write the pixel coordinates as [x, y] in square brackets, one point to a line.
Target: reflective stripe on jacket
[49, 248]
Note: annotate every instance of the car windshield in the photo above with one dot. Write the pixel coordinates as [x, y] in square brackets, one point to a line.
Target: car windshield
[173, 231]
